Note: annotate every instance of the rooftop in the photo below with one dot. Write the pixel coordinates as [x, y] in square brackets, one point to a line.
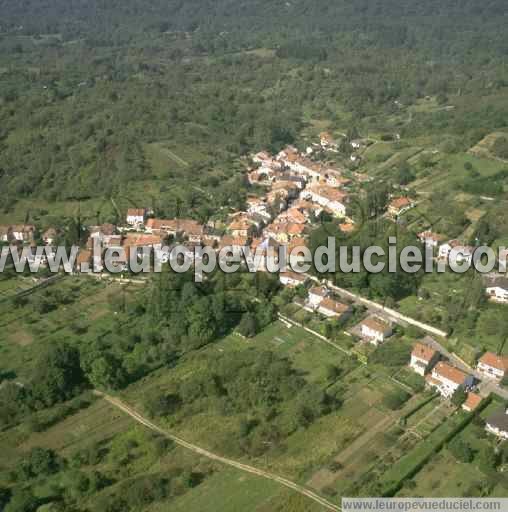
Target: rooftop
[423, 352]
[494, 361]
[449, 372]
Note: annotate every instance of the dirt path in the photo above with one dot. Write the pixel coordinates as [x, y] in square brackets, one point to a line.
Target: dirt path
[205, 453]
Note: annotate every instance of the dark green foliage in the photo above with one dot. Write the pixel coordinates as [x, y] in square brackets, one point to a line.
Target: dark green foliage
[396, 399]
[39, 462]
[500, 147]
[459, 397]
[5, 495]
[145, 490]
[391, 354]
[57, 375]
[461, 450]
[248, 326]
[487, 459]
[22, 501]
[162, 405]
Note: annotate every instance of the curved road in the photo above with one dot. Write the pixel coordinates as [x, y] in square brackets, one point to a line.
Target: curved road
[205, 453]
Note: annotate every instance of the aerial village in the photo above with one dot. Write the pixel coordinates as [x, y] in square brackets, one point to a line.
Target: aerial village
[296, 190]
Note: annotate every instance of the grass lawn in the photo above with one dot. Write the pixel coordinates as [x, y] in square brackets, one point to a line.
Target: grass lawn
[227, 490]
[444, 477]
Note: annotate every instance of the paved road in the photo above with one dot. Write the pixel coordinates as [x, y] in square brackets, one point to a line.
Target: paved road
[205, 453]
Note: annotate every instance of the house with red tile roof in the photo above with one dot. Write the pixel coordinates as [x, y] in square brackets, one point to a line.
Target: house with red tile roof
[473, 400]
[423, 358]
[333, 309]
[399, 206]
[376, 330]
[446, 379]
[493, 366]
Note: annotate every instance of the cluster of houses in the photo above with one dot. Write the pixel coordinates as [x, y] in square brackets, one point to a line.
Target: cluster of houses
[374, 329]
[292, 176]
[496, 286]
[140, 231]
[18, 234]
[446, 379]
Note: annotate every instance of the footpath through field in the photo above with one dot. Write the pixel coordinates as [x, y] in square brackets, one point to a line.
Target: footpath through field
[205, 453]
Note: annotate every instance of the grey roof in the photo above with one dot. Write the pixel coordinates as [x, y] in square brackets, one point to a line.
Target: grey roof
[498, 281]
[499, 420]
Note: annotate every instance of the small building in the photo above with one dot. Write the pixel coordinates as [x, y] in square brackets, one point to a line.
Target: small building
[462, 253]
[333, 309]
[493, 366]
[497, 290]
[376, 330]
[399, 206]
[446, 248]
[430, 239]
[23, 232]
[317, 294]
[473, 400]
[446, 379]
[240, 227]
[136, 216]
[292, 279]
[49, 236]
[497, 424]
[326, 140]
[423, 359]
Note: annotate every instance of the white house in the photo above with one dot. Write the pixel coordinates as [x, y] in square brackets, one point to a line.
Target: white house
[376, 330]
[454, 249]
[497, 290]
[446, 248]
[136, 216]
[292, 279]
[497, 424]
[446, 379]
[430, 239]
[423, 358]
[493, 366]
[316, 295]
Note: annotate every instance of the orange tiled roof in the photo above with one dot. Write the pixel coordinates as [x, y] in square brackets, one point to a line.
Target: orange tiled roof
[450, 372]
[423, 352]
[400, 202]
[472, 402]
[494, 361]
[376, 324]
[334, 306]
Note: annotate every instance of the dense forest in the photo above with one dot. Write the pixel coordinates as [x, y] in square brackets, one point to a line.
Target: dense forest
[85, 86]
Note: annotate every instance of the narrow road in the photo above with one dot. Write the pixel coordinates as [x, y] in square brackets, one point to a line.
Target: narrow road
[205, 453]
[374, 306]
[487, 385]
